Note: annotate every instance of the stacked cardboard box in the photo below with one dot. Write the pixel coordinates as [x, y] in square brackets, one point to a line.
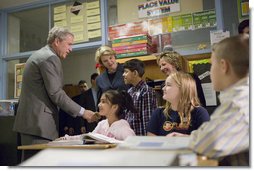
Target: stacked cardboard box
[132, 46]
[128, 29]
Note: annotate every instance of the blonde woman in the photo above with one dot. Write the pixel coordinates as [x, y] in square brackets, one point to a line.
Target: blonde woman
[182, 113]
[112, 77]
[170, 62]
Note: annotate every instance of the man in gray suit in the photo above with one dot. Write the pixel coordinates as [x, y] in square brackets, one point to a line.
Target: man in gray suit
[42, 93]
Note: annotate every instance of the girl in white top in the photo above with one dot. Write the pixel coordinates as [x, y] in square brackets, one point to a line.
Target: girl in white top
[113, 105]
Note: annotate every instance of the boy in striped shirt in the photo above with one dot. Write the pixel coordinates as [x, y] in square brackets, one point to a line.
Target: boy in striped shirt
[226, 136]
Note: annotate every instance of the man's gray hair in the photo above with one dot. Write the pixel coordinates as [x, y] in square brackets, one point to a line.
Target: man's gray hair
[57, 32]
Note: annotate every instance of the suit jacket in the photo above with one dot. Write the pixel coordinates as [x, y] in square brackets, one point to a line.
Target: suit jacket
[103, 83]
[85, 100]
[41, 95]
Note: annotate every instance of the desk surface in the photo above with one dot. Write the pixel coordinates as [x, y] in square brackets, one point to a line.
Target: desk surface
[107, 157]
[64, 155]
[45, 146]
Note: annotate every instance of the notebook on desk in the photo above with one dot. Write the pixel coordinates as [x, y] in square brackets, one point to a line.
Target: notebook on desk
[82, 139]
[155, 142]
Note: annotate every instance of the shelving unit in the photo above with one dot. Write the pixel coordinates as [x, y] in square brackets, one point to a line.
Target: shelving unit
[142, 58]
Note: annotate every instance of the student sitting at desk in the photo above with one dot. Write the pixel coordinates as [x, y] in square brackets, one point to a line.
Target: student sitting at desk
[171, 61]
[226, 135]
[183, 112]
[144, 97]
[112, 105]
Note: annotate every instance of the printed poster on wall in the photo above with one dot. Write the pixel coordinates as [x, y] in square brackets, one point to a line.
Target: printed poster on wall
[204, 19]
[218, 35]
[243, 9]
[157, 8]
[201, 68]
[82, 18]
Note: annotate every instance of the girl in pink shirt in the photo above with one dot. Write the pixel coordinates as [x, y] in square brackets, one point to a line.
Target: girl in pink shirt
[113, 105]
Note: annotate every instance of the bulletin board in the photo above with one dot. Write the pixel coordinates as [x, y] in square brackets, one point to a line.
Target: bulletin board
[81, 17]
[243, 9]
[200, 65]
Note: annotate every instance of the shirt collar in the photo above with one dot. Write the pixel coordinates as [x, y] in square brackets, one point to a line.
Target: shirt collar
[232, 91]
[139, 85]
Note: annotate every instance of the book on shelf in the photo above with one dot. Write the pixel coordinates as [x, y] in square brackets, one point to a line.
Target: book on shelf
[88, 138]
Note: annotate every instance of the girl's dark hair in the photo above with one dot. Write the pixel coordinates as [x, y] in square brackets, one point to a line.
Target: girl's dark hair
[122, 99]
[243, 25]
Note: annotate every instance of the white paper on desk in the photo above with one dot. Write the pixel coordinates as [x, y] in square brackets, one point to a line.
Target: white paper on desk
[155, 142]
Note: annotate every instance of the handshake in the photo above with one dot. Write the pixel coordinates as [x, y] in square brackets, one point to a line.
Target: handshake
[91, 116]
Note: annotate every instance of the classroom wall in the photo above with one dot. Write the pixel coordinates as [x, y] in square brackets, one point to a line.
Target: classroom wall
[79, 65]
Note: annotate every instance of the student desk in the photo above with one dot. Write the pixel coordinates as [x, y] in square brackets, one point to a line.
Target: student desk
[45, 146]
[104, 155]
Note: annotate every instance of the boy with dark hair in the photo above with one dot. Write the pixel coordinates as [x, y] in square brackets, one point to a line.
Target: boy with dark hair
[243, 27]
[143, 96]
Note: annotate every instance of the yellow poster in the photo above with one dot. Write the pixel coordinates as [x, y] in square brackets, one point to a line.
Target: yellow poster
[93, 26]
[93, 19]
[78, 37]
[93, 12]
[91, 5]
[60, 16]
[77, 28]
[94, 34]
[60, 9]
[77, 19]
[61, 23]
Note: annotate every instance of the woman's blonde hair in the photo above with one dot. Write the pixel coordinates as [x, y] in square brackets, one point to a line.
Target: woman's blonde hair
[188, 95]
[103, 50]
[171, 57]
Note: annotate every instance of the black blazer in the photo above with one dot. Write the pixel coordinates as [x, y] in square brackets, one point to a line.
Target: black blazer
[88, 102]
[103, 83]
[85, 100]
